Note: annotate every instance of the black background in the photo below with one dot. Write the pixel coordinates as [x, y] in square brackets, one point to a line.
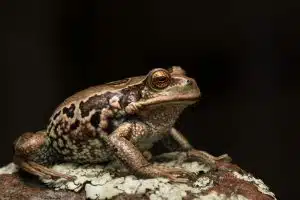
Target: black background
[243, 54]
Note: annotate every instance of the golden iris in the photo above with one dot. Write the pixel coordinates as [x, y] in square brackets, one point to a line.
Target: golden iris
[160, 79]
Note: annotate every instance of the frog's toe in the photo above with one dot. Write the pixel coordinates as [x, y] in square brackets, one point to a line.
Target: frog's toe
[180, 177]
[28, 168]
[50, 172]
[178, 174]
[40, 170]
[179, 180]
[224, 158]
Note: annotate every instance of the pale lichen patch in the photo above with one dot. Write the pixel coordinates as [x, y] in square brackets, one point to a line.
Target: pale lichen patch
[9, 169]
[105, 191]
[195, 167]
[130, 185]
[101, 181]
[83, 174]
[203, 183]
[150, 185]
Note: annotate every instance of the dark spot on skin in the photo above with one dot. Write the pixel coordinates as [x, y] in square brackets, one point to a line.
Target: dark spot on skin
[95, 102]
[69, 111]
[75, 125]
[56, 115]
[110, 127]
[115, 123]
[95, 120]
[50, 126]
[131, 94]
[87, 132]
[65, 124]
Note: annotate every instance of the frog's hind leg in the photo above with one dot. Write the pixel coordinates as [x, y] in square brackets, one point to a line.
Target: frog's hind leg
[31, 151]
[40, 170]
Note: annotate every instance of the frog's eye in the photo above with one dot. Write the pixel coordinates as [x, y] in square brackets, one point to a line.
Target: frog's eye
[159, 79]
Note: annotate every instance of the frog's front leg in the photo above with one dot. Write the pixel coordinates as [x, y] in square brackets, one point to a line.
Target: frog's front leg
[194, 153]
[30, 150]
[125, 151]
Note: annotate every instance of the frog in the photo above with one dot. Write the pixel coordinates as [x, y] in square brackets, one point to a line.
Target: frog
[117, 121]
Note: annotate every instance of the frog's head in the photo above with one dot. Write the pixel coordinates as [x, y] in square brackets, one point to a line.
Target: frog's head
[166, 87]
[169, 86]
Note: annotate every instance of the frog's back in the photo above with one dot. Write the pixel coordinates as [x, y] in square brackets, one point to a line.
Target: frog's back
[83, 95]
[76, 125]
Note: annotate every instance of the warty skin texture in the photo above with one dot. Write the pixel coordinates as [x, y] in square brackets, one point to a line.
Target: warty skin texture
[118, 120]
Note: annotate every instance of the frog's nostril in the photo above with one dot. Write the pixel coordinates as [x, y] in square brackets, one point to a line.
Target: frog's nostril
[189, 82]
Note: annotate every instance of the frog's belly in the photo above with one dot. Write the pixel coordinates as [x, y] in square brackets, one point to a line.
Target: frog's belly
[89, 151]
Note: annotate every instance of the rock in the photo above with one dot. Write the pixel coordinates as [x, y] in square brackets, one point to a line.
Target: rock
[14, 187]
[112, 181]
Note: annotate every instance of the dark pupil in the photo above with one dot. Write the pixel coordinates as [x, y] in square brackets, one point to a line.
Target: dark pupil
[161, 79]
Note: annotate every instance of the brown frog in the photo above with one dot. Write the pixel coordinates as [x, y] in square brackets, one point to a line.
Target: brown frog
[116, 121]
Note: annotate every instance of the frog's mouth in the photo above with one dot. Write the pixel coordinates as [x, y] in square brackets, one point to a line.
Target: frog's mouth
[186, 99]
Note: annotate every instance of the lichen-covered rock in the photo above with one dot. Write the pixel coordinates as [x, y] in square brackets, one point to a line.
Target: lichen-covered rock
[113, 182]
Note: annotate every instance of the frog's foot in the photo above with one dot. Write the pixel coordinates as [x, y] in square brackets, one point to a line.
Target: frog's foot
[172, 173]
[40, 170]
[224, 158]
[207, 158]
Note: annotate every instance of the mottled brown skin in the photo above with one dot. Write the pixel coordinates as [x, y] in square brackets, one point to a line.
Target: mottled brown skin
[118, 120]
